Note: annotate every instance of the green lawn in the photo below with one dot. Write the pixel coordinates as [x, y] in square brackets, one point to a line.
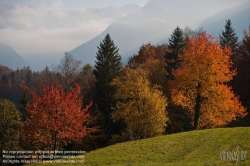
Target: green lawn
[196, 148]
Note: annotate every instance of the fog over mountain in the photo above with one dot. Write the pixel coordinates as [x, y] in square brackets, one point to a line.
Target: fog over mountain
[9, 57]
[41, 32]
[239, 15]
[156, 21]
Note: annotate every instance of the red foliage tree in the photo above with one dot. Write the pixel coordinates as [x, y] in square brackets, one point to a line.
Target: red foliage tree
[55, 117]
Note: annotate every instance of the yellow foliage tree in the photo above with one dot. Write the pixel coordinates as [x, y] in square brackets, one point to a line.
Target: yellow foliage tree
[10, 125]
[200, 84]
[155, 72]
[141, 107]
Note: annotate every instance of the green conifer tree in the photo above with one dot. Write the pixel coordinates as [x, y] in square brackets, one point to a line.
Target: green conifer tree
[177, 114]
[176, 45]
[107, 66]
[228, 38]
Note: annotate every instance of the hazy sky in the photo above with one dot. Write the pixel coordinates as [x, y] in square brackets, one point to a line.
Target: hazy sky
[82, 3]
[46, 27]
[54, 26]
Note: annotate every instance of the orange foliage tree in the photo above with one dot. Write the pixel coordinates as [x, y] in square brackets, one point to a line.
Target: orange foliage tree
[55, 117]
[147, 51]
[151, 59]
[200, 84]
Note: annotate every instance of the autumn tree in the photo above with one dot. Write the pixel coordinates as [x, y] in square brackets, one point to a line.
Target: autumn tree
[187, 33]
[228, 38]
[87, 82]
[156, 73]
[55, 117]
[107, 66]
[244, 46]
[10, 125]
[151, 59]
[69, 68]
[46, 77]
[146, 52]
[200, 84]
[141, 107]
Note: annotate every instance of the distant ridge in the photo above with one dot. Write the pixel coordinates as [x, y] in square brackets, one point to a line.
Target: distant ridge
[239, 16]
[157, 19]
[10, 58]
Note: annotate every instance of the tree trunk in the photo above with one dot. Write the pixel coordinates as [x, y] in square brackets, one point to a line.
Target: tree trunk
[197, 106]
[55, 142]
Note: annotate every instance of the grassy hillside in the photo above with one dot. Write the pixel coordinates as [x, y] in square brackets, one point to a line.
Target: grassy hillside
[188, 148]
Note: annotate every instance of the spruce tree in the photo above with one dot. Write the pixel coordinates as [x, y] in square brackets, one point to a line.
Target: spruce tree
[177, 115]
[28, 75]
[228, 38]
[107, 66]
[176, 44]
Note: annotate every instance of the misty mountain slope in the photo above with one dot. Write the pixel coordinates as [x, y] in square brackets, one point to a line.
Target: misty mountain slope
[113, 12]
[153, 23]
[240, 18]
[9, 57]
[42, 33]
[127, 38]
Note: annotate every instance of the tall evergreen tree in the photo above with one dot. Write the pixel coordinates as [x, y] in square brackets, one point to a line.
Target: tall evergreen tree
[177, 114]
[228, 38]
[28, 75]
[107, 66]
[176, 44]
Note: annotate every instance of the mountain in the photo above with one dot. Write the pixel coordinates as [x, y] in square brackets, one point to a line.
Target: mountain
[239, 16]
[38, 61]
[42, 32]
[154, 23]
[9, 57]
[113, 12]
